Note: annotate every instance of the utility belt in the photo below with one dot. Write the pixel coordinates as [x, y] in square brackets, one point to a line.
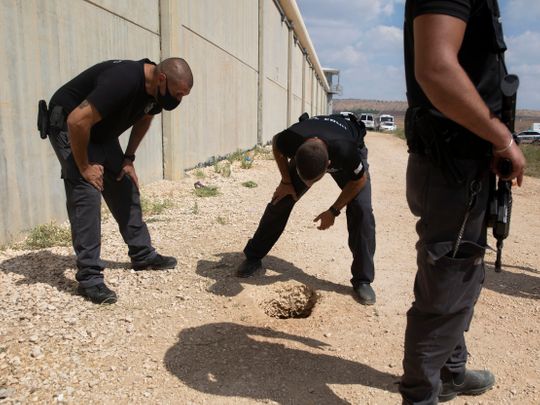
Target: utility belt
[442, 141]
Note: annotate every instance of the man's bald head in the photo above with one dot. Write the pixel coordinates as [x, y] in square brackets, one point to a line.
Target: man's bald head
[177, 71]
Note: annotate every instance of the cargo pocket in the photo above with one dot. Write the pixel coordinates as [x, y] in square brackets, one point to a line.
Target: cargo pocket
[447, 285]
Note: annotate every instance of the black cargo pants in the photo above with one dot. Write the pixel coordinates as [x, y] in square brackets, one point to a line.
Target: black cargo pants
[446, 289]
[360, 225]
[84, 205]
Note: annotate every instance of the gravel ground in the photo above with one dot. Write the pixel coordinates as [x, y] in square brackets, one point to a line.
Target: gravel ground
[199, 335]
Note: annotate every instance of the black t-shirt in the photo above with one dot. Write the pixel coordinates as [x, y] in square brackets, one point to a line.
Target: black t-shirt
[480, 53]
[116, 88]
[341, 136]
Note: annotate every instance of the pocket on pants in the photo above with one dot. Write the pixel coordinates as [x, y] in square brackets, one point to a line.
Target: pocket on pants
[447, 285]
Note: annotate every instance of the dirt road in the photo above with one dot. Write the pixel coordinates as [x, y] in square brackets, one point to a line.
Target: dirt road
[199, 335]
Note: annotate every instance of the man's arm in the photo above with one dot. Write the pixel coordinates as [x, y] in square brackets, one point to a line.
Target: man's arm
[80, 122]
[139, 130]
[438, 39]
[285, 187]
[351, 190]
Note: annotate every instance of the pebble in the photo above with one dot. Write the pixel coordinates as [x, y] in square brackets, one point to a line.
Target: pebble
[36, 352]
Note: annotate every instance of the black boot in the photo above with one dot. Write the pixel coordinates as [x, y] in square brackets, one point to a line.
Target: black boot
[365, 294]
[157, 263]
[98, 294]
[248, 268]
[472, 382]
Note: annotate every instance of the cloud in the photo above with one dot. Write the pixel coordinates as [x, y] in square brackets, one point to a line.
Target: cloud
[518, 15]
[523, 59]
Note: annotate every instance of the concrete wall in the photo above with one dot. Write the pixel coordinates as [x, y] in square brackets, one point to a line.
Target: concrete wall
[240, 87]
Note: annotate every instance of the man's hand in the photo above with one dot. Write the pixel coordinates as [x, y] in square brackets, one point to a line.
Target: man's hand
[129, 170]
[514, 155]
[327, 220]
[93, 174]
[283, 190]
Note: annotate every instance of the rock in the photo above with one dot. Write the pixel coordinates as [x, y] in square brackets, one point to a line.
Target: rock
[6, 392]
[36, 352]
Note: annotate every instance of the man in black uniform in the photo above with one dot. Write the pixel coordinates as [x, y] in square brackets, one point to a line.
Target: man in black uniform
[87, 115]
[333, 144]
[454, 68]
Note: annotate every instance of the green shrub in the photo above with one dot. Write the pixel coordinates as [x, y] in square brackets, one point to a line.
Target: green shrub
[47, 235]
[532, 154]
[199, 174]
[154, 207]
[249, 184]
[206, 191]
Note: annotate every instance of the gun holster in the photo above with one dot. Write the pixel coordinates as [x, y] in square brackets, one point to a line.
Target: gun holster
[431, 136]
[43, 124]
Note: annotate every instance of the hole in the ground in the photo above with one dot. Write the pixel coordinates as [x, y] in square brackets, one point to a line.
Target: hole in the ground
[292, 301]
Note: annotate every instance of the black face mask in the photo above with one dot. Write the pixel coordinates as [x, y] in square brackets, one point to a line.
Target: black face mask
[168, 101]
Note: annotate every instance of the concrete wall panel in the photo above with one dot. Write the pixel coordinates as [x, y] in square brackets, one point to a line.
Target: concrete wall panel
[231, 25]
[142, 12]
[275, 109]
[220, 114]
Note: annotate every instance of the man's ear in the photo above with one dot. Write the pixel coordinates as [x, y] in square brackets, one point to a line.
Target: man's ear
[328, 164]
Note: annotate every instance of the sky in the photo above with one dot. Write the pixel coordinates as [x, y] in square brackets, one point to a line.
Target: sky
[363, 39]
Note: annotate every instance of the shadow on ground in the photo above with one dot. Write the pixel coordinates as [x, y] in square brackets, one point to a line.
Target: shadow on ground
[43, 266]
[227, 284]
[517, 284]
[234, 360]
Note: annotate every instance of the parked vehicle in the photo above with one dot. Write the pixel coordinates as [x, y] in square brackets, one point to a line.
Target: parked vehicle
[529, 136]
[368, 120]
[386, 123]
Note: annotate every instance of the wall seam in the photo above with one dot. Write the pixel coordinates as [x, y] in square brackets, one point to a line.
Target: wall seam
[121, 17]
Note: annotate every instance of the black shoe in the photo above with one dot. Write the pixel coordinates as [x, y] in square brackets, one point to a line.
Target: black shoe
[248, 268]
[475, 382]
[157, 263]
[365, 294]
[98, 294]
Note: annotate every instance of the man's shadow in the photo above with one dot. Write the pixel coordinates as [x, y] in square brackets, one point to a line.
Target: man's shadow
[43, 266]
[234, 360]
[515, 284]
[223, 272]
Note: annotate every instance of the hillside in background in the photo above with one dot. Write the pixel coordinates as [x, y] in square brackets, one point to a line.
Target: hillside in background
[524, 118]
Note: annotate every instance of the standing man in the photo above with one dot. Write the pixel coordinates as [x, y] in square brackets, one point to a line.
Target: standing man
[87, 115]
[304, 153]
[454, 68]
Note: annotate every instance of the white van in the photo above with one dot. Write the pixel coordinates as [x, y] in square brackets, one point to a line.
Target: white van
[368, 120]
[386, 123]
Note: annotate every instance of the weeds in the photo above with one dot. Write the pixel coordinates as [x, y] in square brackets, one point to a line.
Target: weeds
[199, 174]
[400, 133]
[263, 152]
[195, 208]
[532, 154]
[238, 155]
[206, 191]
[47, 235]
[221, 221]
[223, 168]
[154, 207]
[249, 184]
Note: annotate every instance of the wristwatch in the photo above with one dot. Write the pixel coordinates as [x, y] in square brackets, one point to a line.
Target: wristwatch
[334, 211]
[129, 157]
